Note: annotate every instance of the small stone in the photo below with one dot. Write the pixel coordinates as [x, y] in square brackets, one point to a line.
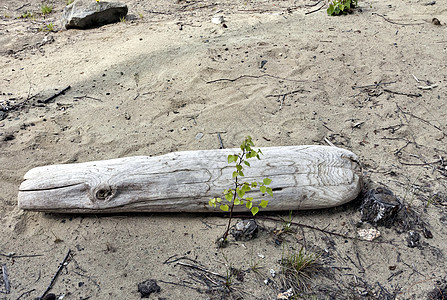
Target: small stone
[413, 239]
[148, 287]
[436, 22]
[244, 230]
[285, 295]
[3, 115]
[368, 234]
[49, 297]
[217, 20]
[199, 136]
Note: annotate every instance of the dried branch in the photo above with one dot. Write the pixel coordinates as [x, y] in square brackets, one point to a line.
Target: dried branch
[393, 22]
[61, 266]
[251, 76]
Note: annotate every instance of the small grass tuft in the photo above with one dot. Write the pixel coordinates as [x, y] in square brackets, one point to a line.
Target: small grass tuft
[27, 15]
[298, 268]
[50, 27]
[46, 9]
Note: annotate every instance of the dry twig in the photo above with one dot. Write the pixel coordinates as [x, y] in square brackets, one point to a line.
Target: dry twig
[61, 266]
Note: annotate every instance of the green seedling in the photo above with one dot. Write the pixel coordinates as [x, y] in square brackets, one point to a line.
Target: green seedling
[50, 27]
[340, 7]
[298, 267]
[27, 15]
[237, 194]
[45, 9]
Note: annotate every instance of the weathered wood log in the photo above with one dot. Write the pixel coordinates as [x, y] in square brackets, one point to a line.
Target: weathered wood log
[303, 177]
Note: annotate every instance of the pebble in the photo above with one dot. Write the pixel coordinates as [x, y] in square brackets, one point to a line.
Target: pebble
[199, 136]
[217, 20]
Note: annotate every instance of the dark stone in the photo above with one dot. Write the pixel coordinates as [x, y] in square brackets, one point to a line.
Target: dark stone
[380, 207]
[244, 230]
[148, 287]
[3, 115]
[413, 239]
[82, 14]
[49, 297]
[9, 137]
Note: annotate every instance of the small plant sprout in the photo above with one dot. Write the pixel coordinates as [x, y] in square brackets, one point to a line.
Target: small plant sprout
[298, 267]
[50, 27]
[340, 7]
[237, 194]
[123, 19]
[27, 15]
[45, 9]
[288, 223]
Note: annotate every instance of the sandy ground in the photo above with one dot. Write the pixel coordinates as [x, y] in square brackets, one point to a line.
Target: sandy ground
[154, 84]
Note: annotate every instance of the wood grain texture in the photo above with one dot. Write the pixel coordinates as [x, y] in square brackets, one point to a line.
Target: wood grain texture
[303, 177]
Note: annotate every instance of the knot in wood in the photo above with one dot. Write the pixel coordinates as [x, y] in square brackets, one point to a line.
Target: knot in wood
[104, 192]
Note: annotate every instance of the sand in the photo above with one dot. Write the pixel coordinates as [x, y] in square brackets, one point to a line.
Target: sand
[168, 79]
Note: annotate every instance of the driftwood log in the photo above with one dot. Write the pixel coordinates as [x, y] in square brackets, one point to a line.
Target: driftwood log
[303, 177]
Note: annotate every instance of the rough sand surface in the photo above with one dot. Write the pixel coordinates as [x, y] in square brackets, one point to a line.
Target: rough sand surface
[150, 85]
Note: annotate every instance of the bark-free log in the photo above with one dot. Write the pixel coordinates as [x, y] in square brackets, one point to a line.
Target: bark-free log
[303, 177]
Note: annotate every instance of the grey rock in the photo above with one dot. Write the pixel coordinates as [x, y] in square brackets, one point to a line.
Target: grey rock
[148, 287]
[83, 14]
[244, 230]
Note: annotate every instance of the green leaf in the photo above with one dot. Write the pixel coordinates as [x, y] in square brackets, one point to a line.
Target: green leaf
[230, 158]
[224, 207]
[254, 184]
[248, 204]
[264, 203]
[249, 198]
[239, 167]
[218, 200]
[235, 174]
[229, 196]
[269, 191]
[262, 188]
[246, 163]
[212, 202]
[267, 181]
[240, 192]
[246, 187]
[241, 174]
[237, 201]
[330, 9]
[254, 210]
